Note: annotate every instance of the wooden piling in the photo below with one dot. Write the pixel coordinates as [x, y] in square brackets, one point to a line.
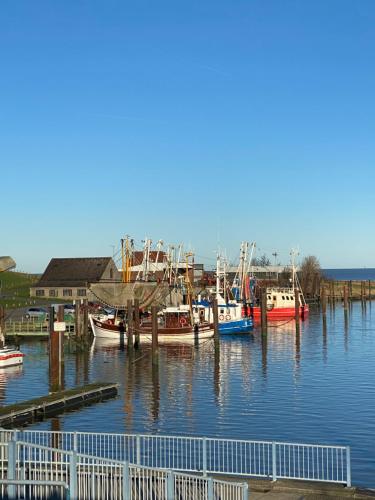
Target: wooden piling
[2, 327]
[369, 289]
[155, 342]
[323, 300]
[263, 309]
[362, 291]
[137, 323]
[215, 310]
[85, 318]
[78, 319]
[346, 301]
[56, 351]
[297, 308]
[130, 328]
[350, 289]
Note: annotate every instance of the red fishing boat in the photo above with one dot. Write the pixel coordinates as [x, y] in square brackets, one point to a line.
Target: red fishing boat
[281, 305]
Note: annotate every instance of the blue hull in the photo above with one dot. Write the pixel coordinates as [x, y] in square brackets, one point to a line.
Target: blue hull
[243, 325]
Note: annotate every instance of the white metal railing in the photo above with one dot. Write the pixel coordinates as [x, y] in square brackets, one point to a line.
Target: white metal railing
[36, 471]
[274, 460]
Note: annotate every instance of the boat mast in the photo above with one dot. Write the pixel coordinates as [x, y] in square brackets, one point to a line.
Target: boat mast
[217, 277]
[123, 261]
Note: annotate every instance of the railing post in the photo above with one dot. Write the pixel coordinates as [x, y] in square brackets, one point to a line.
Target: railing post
[170, 485]
[73, 476]
[138, 449]
[348, 468]
[125, 481]
[12, 464]
[245, 492]
[210, 489]
[204, 456]
[75, 442]
[274, 475]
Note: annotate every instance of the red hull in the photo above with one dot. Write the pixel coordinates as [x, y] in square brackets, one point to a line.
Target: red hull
[279, 313]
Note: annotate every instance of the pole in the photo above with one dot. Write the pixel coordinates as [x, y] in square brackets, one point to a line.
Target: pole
[78, 319]
[215, 311]
[130, 329]
[263, 310]
[85, 319]
[155, 345]
[296, 308]
[369, 289]
[346, 301]
[323, 299]
[137, 323]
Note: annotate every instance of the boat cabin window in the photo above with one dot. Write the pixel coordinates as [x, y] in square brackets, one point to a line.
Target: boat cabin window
[291, 297]
[222, 311]
[283, 297]
[287, 297]
[274, 297]
[269, 297]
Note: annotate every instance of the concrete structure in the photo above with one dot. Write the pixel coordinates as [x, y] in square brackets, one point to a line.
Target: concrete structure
[70, 278]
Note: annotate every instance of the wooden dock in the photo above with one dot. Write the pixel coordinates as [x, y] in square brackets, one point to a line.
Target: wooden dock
[55, 403]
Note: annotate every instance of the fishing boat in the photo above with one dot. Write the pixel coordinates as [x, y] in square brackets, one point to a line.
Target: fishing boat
[10, 357]
[281, 300]
[281, 305]
[231, 313]
[175, 324]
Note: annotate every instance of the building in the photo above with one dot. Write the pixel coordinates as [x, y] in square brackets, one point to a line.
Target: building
[70, 278]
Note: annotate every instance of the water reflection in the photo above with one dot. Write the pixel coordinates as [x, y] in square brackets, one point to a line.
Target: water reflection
[314, 385]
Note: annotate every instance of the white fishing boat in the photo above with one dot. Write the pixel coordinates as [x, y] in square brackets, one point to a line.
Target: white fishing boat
[10, 357]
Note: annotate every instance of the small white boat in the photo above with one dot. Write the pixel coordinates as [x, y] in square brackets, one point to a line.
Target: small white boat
[10, 357]
[174, 326]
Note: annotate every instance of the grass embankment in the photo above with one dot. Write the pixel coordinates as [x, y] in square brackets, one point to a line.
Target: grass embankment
[15, 290]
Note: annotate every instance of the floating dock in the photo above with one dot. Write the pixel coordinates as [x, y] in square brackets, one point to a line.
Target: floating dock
[55, 403]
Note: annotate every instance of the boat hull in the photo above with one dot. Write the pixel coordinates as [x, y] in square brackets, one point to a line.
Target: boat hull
[10, 357]
[243, 325]
[165, 335]
[279, 313]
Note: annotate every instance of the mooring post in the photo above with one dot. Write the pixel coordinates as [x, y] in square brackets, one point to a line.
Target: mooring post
[346, 302]
[78, 319]
[323, 300]
[350, 283]
[137, 323]
[369, 289]
[85, 318]
[215, 312]
[155, 343]
[130, 328]
[263, 310]
[2, 327]
[296, 308]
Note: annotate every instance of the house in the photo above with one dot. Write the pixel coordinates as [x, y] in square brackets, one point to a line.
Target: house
[69, 278]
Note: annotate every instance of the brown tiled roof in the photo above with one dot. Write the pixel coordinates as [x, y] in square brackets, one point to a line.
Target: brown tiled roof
[73, 272]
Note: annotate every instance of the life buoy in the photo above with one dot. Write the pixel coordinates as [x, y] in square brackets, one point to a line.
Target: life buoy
[221, 317]
[183, 321]
[227, 317]
[270, 307]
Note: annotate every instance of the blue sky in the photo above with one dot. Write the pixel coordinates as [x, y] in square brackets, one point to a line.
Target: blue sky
[199, 121]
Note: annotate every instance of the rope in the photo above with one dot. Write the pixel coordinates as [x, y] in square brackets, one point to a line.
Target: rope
[282, 324]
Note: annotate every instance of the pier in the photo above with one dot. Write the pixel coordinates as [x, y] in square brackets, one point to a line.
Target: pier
[53, 404]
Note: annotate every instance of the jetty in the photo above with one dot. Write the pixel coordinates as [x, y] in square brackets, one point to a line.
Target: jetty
[55, 403]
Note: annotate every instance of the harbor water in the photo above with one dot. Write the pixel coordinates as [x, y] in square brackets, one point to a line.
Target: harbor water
[315, 387]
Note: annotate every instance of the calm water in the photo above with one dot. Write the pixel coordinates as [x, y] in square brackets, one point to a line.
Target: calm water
[350, 274]
[317, 388]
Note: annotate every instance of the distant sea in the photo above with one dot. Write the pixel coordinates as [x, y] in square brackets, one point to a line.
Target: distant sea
[364, 273]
